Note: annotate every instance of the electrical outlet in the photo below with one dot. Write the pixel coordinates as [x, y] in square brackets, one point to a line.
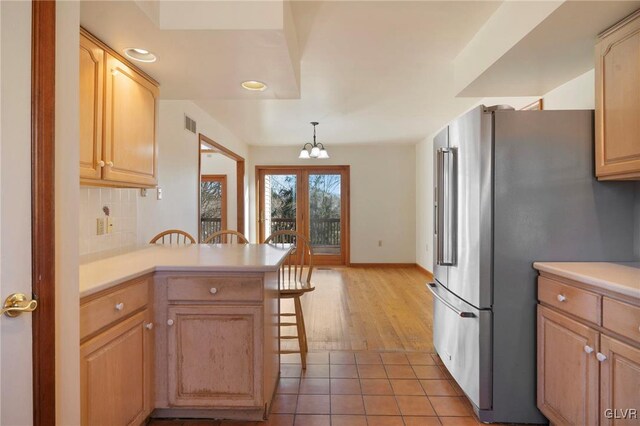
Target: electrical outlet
[109, 223]
[100, 226]
[379, 243]
[159, 194]
[143, 192]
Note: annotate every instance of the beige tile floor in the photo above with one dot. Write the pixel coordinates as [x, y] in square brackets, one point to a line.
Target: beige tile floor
[361, 389]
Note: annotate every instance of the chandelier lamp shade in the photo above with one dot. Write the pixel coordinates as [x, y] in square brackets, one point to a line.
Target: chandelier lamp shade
[315, 149]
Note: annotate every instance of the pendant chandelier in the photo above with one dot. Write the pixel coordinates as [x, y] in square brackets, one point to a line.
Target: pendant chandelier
[315, 150]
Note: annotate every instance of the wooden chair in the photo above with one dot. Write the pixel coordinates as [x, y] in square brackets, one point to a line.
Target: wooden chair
[173, 236]
[226, 237]
[295, 281]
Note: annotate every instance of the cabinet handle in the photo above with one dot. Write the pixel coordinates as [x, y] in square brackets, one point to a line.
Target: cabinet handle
[101, 163]
[601, 357]
[148, 326]
[562, 298]
[170, 322]
[119, 306]
[110, 163]
[213, 290]
[588, 349]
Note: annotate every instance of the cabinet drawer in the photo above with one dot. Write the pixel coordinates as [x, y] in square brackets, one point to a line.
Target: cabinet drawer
[621, 318]
[99, 313]
[573, 300]
[218, 289]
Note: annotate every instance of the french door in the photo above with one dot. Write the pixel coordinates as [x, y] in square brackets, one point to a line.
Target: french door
[313, 200]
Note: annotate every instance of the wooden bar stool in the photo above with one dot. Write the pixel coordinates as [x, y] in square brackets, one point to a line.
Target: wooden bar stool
[173, 236]
[226, 236]
[295, 281]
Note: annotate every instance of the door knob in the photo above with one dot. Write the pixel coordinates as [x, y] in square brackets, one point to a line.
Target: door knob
[16, 304]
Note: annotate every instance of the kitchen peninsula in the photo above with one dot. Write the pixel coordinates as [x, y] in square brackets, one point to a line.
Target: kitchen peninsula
[180, 331]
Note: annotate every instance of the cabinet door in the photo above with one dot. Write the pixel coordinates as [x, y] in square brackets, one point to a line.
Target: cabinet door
[115, 374]
[214, 354]
[618, 103]
[91, 99]
[619, 383]
[567, 369]
[130, 148]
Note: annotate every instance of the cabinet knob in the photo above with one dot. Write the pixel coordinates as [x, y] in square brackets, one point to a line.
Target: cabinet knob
[562, 298]
[101, 163]
[110, 163]
[213, 290]
[119, 306]
[601, 357]
[170, 322]
[588, 349]
[148, 326]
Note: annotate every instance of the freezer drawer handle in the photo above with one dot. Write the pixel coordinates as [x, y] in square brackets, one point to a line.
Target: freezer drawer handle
[458, 312]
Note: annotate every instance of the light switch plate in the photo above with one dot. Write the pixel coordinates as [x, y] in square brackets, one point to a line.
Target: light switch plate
[159, 194]
[109, 224]
[100, 226]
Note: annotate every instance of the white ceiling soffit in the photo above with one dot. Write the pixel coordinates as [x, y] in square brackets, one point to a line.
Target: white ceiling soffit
[205, 49]
[371, 72]
[215, 14]
[529, 48]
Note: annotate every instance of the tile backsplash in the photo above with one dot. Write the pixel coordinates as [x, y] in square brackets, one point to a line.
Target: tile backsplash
[122, 205]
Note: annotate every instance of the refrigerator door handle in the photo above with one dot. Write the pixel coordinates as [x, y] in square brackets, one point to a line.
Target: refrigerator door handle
[449, 194]
[438, 205]
[463, 314]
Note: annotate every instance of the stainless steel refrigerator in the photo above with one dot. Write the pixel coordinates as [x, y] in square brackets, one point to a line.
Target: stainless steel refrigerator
[511, 188]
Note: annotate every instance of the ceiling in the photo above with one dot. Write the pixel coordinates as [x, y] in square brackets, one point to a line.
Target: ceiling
[368, 71]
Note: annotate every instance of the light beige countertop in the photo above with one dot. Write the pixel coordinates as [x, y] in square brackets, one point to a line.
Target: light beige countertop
[621, 277]
[98, 275]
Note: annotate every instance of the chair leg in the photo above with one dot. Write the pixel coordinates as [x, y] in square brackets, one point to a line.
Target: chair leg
[301, 332]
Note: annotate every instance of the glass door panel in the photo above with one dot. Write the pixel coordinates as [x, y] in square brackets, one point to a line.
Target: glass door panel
[213, 205]
[279, 203]
[325, 211]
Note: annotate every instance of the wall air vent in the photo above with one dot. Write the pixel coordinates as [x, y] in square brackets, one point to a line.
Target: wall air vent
[189, 124]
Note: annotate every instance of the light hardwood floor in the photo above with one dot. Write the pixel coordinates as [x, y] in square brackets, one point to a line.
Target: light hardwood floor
[386, 309]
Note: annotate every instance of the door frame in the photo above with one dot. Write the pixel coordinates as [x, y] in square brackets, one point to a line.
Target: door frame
[223, 202]
[302, 212]
[42, 211]
[202, 139]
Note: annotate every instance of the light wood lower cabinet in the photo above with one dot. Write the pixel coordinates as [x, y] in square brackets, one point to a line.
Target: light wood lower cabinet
[619, 383]
[117, 356]
[567, 373]
[588, 370]
[213, 353]
[116, 374]
[217, 344]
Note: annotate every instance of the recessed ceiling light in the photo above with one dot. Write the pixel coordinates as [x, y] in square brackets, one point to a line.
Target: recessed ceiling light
[254, 85]
[141, 55]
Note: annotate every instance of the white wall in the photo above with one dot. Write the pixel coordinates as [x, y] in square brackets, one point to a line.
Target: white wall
[218, 164]
[575, 94]
[382, 206]
[578, 93]
[67, 215]
[15, 208]
[178, 151]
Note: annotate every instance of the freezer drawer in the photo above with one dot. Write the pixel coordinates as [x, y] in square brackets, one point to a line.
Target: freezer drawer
[462, 338]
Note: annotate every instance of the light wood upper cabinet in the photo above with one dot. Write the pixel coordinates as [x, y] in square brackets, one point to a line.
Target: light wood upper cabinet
[118, 116]
[91, 103]
[130, 125]
[620, 382]
[618, 101]
[567, 372]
